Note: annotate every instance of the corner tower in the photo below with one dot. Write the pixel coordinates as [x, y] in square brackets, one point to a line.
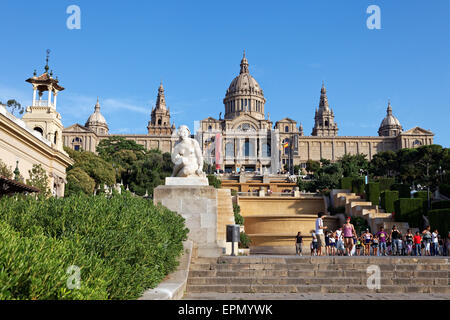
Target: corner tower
[244, 95]
[42, 116]
[324, 125]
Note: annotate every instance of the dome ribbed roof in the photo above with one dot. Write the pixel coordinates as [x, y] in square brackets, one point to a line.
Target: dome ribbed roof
[96, 118]
[244, 83]
[390, 119]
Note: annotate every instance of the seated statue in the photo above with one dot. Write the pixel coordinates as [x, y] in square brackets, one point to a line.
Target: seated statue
[187, 155]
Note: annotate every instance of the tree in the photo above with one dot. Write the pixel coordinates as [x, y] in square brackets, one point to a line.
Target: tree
[100, 170]
[108, 148]
[312, 166]
[150, 172]
[39, 179]
[14, 106]
[79, 181]
[352, 164]
[5, 170]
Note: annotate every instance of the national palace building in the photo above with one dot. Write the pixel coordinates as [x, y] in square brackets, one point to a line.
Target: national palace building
[246, 139]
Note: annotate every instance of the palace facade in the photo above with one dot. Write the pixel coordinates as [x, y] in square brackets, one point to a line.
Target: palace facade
[245, 139]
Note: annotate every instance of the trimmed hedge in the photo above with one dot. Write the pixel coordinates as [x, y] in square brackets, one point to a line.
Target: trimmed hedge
[373, 192]
[346, 183]
[445, 204]
[404, 191]
[387, 199]
[358, 186]
[123, 245]
[424, 196]
[409, 210]
[440, 219]
[385, 183]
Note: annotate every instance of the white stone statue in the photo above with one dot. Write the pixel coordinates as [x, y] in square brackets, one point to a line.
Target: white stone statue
[187, 155]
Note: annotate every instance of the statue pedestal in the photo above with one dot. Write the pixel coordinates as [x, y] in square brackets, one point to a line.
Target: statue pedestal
[197, 204]
[188, 181]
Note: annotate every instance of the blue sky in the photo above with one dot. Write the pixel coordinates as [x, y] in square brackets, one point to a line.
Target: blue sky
[125, 48]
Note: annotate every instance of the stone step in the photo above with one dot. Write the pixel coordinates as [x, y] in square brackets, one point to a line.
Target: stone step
[313, 267]
[250, 288]
[315, 281]
[331, 260]
[317, 273]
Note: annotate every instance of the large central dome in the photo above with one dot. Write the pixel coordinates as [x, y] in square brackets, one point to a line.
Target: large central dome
[244, 95]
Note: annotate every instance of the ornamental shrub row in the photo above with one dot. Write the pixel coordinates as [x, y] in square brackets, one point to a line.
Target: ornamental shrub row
[385, 183]
[404, 191]
[358, 186]
[440, 205]
[387, 199]
[373, 192]
[346, 183]
[122, 244]
[440, 219]
[409, 210]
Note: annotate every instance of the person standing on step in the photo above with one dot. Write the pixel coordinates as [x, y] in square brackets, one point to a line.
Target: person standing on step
[382, 237]
[298, 244]
[447, 245]
[417, 244]
[319, 233]
[367, 238]
[427, 240]
[375, 243]
[313, 244]
[327, 243]
[435, 243]
[349, 233]
[395, 243]
[339, 242]
[409, 242]
[332, 244]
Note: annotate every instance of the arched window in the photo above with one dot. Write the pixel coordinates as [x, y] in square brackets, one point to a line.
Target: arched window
[55, 138]
[326, 123]
[38, 129]
[417, 143]
[286, 129]
[159, 122]
[209, 128]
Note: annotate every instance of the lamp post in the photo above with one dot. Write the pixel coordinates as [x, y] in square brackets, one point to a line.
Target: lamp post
[440, 173]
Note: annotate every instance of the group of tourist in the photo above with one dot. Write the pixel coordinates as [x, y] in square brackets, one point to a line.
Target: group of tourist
[346, 241]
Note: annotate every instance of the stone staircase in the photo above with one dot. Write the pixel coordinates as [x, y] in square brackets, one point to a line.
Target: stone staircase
[293, 274]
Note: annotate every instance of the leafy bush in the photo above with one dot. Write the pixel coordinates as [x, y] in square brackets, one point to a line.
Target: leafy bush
[387, 199]
[238, 219]
[5, 170]
[346, 183]
[409, 210]
[445, 189]
[214, 181]
[39, 179]
[424, 196]
[404, 191]
[79, 181]
[440, 219]
[234, 192]
[358, 186]
[245, 241]
[373, 192]
[440, 205]
[134, 243]
[385, 183]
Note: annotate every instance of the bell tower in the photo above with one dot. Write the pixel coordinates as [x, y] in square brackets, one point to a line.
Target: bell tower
[324, 125]
[160, 117]
[42, 116]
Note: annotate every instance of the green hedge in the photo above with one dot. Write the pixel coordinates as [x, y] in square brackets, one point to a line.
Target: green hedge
[440, 219]
[358, 186]
[424, 196]
[409, 210]
[123, 245]
[387, 199]
[385, 183]
[214, 181]
[404, 191]
[440, 205]
[346, 183]
[445, 189]
[373, 192]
